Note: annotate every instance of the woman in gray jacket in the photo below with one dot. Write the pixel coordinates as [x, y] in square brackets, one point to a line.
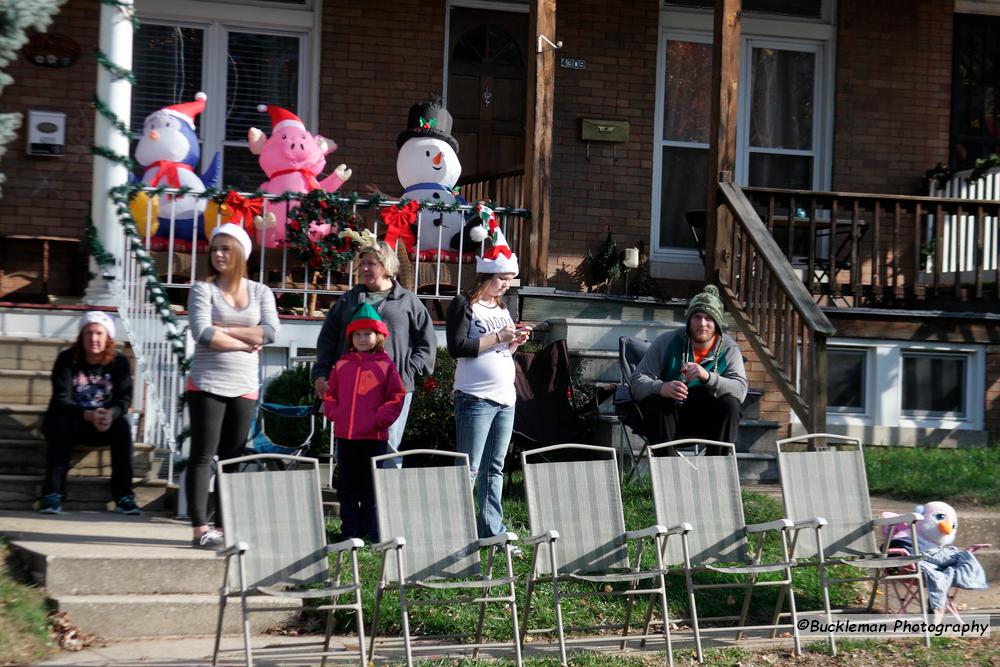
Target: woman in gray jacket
[411, 344]
[231, 319]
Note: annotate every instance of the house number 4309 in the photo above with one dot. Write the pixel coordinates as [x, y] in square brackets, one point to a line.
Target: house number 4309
[573, 63]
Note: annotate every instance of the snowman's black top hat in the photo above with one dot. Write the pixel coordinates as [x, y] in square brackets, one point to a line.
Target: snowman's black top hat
[428, 119]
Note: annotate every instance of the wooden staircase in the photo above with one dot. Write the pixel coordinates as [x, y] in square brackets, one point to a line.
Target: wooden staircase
[25, 387]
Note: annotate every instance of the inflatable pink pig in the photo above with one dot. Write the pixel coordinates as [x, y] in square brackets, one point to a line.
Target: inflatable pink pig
[292, 159]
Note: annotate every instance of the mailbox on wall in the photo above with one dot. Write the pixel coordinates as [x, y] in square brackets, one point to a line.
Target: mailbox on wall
[46, 133]
[604, 130]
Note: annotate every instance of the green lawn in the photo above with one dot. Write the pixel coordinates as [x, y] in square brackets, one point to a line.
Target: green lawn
[24, 623]
[637, 498]
[922, 475]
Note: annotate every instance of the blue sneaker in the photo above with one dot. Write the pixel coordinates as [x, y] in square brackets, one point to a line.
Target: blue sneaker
[51, 504]
[126, 505]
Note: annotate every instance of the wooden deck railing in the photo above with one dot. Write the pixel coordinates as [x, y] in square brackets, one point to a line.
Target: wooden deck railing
[864, 249]
[774, 310]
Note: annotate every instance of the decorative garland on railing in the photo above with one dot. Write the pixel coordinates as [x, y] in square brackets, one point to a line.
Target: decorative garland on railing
[121, 195]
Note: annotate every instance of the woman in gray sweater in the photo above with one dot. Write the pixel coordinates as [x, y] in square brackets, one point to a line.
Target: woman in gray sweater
[231, 318]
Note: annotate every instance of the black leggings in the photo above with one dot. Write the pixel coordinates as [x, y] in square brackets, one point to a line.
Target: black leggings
[219, 426]
[62, 433]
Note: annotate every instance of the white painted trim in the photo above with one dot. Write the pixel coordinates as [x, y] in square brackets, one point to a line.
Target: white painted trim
[268, 16]
[885, 388]
[492, 5]
[984, 7]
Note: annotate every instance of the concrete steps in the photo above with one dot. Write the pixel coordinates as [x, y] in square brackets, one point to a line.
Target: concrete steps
[25, 386]
[21, 353]
[21, 421]
[27, 457]
[123, 577]
[21, 492]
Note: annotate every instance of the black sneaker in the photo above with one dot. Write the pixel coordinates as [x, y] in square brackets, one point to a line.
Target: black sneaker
[51, 504]
[126, 505]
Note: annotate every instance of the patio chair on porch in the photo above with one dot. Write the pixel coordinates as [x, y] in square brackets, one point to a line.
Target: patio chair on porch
[702, 493]
[631, 350]
[578, 532]
[825, 488]
[427, 524]
[275, 533]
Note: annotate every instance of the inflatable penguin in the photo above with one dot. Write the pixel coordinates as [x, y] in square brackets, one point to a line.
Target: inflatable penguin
[169, 153]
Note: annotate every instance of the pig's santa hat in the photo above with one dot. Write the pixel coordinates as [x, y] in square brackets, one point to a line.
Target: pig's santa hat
[280, 117]
[186, 111]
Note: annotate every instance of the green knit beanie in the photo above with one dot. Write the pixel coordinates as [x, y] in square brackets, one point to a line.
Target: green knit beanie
[708, 302]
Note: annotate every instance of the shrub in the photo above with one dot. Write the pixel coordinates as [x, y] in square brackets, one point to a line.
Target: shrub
[431, 424]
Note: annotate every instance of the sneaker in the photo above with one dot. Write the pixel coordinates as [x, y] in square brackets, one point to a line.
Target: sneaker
[213, 539]
[51, 504]
[126, 505]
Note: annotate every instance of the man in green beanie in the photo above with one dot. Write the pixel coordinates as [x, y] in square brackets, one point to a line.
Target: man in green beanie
[692, 382]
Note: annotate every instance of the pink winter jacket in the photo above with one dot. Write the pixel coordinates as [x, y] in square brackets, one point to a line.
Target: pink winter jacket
[364, 396]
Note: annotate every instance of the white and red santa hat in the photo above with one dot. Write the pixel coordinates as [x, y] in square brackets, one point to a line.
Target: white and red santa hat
[186, 111]
[498, 258]
[280, 117]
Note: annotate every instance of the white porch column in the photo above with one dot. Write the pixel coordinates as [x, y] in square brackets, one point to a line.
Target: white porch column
[116, 42]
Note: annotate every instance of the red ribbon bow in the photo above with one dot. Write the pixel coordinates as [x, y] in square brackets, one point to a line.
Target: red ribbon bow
[168, 172]
[242, 209]
[398, 224]
[308, 176]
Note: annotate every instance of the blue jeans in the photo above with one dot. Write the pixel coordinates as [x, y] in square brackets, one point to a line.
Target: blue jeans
[396, 434]
[483, 430]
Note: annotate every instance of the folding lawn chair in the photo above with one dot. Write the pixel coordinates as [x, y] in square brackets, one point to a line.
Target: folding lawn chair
[276, 533]
[578, 532]
[631, 350]
[427, 524]
[702, 493]
[825, 488]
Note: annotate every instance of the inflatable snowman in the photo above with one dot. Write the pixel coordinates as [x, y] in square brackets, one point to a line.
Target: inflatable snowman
[428, 169]
[169, 153]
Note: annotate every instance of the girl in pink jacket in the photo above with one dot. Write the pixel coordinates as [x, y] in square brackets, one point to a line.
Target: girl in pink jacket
[364, 396]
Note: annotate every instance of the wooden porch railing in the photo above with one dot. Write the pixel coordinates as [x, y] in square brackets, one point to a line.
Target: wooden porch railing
[774, 310]
[865, 249]
[503, 186]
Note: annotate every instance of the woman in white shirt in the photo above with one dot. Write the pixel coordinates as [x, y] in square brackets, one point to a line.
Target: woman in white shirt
[482, 336]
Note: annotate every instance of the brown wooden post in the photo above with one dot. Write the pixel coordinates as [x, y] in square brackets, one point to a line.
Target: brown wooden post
[722, 137]
[817, 391]
[538, 139]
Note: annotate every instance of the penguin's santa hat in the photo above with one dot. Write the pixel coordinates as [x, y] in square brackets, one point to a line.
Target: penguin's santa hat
[186, 111]
[280, 117]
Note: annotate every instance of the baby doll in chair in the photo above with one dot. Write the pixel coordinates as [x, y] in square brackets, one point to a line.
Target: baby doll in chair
[943, 564]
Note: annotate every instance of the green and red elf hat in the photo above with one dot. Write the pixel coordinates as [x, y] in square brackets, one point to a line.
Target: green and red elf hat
[366, 317]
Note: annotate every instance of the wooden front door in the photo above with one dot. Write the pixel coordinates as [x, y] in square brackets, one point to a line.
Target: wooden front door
[486, 88]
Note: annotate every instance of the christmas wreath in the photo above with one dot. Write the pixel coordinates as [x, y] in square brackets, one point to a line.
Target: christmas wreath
[313, 230]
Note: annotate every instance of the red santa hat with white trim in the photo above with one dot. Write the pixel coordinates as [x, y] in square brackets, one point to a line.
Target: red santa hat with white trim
[280, 117]
[186, 111]
[498, 258]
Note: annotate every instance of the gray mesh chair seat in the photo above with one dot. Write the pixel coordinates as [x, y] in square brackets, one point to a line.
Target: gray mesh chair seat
[701, 495]
[578, 532]
[825, 488]
[272, 509]
[427, 523]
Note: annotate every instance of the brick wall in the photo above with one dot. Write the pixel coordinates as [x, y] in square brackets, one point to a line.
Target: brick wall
[618, 41]
[52, 195]
[893, 94]
[372, 71]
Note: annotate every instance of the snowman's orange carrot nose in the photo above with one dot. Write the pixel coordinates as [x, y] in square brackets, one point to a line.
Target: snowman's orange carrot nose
[438, 158]
[154, 135]
[945, 527]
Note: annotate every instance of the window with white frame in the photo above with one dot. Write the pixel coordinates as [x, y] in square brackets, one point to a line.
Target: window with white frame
[239, 66]
[783, 127]
[911, 384]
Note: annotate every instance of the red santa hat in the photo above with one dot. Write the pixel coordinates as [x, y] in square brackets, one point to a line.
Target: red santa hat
[280, 117]
[498, 258]
[186, 111]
